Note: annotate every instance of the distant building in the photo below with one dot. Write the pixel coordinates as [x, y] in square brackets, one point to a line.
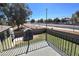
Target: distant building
[75, 19]
[66, 20]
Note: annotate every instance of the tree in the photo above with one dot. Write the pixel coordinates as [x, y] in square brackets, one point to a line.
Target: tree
[56, 20]
[1, 19]
[3, 4]
[63, 20]
[40, 20]
[17, 13]
[2, 12]
[32, 21]
[76, 14]
[74, 18]
[49, 20]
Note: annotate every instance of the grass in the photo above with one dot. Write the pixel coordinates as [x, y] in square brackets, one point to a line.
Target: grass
[64, 45]
[7, 43]
[36, 38]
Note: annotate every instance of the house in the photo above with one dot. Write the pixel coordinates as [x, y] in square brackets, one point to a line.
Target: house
[5, 38]
[66, 20]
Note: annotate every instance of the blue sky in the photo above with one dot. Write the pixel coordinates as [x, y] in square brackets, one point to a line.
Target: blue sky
[54, 9]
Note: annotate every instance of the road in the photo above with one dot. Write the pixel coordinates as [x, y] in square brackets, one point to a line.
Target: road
[61, 26]
[66, 28]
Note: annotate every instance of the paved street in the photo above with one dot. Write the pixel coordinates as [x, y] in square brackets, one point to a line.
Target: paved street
[74, 29]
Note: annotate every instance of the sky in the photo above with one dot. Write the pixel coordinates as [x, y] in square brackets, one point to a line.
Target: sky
[59, 10]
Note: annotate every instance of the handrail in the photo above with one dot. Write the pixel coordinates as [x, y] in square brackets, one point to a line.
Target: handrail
[64, 35]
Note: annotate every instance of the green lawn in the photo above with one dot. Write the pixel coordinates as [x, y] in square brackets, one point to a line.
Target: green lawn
[7, 43]
[36, 38]
[66, 46]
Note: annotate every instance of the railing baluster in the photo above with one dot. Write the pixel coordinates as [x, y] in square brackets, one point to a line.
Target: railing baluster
[78, 50]
[57, 42]
[61, 43]
[4, 45]
[71, 48]
[7, 44]
[65, 46]
[75, 49]
[68, 48]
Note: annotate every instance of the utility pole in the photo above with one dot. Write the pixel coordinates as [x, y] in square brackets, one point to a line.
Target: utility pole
[46, 23]
[73, 19]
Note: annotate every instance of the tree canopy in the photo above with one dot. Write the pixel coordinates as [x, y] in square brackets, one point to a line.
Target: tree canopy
[32, 21]
[76, 14]
[16, 13]
[56, 20]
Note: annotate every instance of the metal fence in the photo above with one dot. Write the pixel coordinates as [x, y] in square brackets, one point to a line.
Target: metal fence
[66, 42]
[16, 45]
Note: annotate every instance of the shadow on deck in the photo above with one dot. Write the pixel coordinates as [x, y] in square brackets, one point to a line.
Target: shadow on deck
[36, 49]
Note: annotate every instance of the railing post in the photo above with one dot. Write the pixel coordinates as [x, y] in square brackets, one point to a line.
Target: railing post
[66, 43]
[28, 47]
[46, 23]
[61, 44]
[68, 49]
[58, 43]
[71, 48]
[75, 50]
